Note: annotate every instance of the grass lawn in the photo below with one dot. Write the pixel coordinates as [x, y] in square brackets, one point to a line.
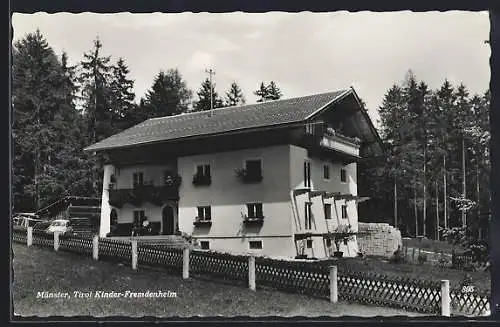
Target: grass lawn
[40, 269]
[480, 279]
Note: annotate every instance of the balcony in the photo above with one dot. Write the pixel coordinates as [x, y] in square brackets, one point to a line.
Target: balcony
[253, 221]
[198, 222]
[201, 180]
[156, 195]
[329, 140]
[249, 177]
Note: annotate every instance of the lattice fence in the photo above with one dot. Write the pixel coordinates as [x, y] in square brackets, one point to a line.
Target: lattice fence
[43, 239]
[19, 235]
[296, 277]
[404, 293]
[311, 278]
[76, 244]
[469, 304]
[115, 250]
[219, 265]
[160, 256]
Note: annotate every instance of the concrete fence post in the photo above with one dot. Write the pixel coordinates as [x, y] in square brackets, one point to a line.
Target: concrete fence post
[29, 238]
[445, 298]
[251, 273]
[134, 254]
[56, 241]
[185, 263]
[334, 292]
[95, 247]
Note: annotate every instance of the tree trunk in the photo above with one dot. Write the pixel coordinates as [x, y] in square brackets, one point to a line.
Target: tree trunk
[395, 204]
[464, 194]
[437, 211]
[445, 195]
[415, 206]
[478, 198]
[425, 193]
[37, 160]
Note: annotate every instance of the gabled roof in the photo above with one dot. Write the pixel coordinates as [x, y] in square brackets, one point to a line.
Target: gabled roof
[218, 121]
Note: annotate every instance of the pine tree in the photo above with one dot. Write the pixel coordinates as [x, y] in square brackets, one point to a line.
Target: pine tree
[234, 96]
[204, 102]
[44, 122]
[101, 122]
[273, 92]
[262, 92]
[122, 95]
[95, 78]
[169, 95]
[268, 92]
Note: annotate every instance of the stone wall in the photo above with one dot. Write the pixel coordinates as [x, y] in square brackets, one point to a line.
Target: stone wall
[378, 239]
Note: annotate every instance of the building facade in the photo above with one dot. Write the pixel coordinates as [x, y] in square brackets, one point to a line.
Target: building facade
[276, 178]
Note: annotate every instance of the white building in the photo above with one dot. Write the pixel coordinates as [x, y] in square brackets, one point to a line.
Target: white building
[274, 178]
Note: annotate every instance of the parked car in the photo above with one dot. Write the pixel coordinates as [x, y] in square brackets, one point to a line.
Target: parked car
[62, 226]
[41, 226]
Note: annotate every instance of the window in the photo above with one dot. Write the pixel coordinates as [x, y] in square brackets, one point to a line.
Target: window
[326, 172]
[307, 174]
[255, 245]
[139, 216]
[254, 210]
[308, 218]
[253, 167]
[344, 211]
[138, 179]
[204, 213]
[310, 129]
[328, 242]
[343, 175]
[203, 171]
[205, 245]
[328, 211]
[309, 244]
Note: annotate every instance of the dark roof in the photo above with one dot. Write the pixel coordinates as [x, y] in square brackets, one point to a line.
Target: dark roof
[221, 120]
[64, 202]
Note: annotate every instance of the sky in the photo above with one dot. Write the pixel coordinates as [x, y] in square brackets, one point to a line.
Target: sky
[304, 53]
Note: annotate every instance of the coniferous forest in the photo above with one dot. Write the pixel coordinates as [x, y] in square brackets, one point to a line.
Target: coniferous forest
[435, 172]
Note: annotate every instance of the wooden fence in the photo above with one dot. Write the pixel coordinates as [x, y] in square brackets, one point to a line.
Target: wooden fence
[311, 278]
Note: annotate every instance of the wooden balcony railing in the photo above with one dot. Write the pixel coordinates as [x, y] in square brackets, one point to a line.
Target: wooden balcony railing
[156, 195]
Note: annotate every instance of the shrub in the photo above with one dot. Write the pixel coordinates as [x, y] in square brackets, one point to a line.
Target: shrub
[398, 256]
[422, 257]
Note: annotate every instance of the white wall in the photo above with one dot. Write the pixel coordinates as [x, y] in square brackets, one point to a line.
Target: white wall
[152, 212]
[228, 196]
[271, 246]
[297, 157]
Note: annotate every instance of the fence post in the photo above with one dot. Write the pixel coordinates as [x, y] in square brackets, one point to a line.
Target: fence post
[56, 241]
[251, 273]
[334, 293]
[185, 263]
[134, 254]
[445, 298]
[95, 247]
[29, 239]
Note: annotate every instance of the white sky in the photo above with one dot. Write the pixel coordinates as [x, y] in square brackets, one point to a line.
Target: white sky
[305, 53]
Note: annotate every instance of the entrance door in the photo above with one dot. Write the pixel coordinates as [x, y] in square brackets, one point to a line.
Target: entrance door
[168, 220]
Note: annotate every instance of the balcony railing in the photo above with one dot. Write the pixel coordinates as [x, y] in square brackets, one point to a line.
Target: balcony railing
[253, 221]
[249, 177]
[334, 141]
[156, 195]
[198, 222]
[201, 180]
